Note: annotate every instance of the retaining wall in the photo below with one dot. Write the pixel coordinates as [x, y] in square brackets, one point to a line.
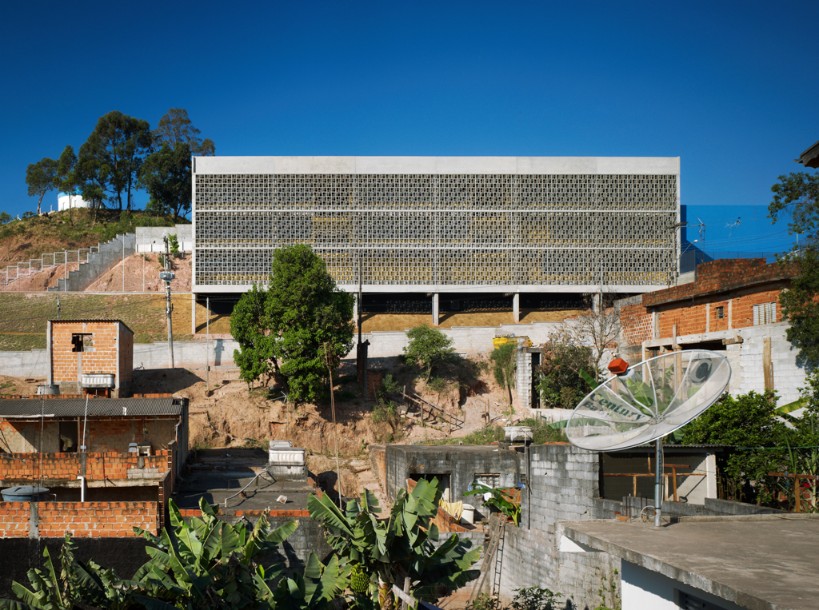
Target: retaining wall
[150, 239]
[110, 253]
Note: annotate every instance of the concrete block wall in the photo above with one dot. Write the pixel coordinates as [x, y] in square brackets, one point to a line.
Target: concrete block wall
[150, 239]
[110, 253]
[80, 519]
[459, 464]
[563, 482]
[563, 486]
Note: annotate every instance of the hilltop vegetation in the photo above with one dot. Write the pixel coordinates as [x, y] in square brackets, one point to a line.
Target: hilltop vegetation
[32, 236]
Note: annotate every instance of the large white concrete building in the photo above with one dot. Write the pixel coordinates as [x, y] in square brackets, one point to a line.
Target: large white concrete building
[504, 226]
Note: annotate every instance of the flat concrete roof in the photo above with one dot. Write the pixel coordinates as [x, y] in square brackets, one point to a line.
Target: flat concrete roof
[759, 562]
[436, 165]
[218, 475]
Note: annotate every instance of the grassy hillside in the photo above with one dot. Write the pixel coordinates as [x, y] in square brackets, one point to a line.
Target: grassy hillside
[23, 317]
[21, 240]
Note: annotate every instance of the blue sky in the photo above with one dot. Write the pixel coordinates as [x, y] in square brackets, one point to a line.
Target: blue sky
[729, 87]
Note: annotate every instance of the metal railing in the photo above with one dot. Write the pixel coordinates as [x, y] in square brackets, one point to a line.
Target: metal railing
[17, 271]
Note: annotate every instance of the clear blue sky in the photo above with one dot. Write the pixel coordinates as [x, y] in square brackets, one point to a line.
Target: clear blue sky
[729, 87]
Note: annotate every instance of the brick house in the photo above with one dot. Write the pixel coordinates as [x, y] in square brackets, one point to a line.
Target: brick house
[731, 306]
[135, 450]
[90, 356]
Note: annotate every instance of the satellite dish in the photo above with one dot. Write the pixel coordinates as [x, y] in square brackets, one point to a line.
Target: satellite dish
[648, 401]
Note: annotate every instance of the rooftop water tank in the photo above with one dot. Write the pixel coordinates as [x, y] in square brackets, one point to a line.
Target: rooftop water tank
[24, 493]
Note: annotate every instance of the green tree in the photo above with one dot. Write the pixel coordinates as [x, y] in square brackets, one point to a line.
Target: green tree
[428, 348]
[306, 324]
[797, 194]
[175, 127]
[166, 172]
[250, 327]
[41, 177]
[67, 179]
[110, 159]
[504, 363]
[404, 544]
[749, 423]
[567, 372]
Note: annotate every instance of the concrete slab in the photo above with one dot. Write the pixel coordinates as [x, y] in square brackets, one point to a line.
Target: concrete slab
[236, 479]
[760, 562]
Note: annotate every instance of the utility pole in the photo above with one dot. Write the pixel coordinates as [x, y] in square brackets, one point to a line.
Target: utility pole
[207, 347]
[362, 346]
[166, 276]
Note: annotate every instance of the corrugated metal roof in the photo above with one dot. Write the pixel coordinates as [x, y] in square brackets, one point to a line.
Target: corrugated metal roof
[97, 407]
[92, 320]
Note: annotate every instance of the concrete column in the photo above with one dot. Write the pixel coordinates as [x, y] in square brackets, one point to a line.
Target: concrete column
[193, 313]
[435, 309]
[708, 317]
[355, 309]
[711, 476]
[516, 307]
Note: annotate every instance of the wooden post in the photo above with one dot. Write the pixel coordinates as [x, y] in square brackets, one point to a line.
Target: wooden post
[767, 364]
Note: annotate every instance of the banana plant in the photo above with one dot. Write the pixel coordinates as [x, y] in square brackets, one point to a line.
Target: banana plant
[76, 584]
[206, 561]
[317, 589]
[404, 544]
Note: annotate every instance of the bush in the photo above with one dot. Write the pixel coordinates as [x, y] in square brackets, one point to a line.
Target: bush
[567, 373]
[427, 349]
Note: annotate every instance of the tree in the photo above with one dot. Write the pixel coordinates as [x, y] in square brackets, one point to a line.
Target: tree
[166, 173]
[596, 329]
[176, 128]
[41, 177]
[798, 193]
[385, 551]
[504, 361]
[750, 424]
[427, 348]
[109, 161]
[294, 329]
[567, 372]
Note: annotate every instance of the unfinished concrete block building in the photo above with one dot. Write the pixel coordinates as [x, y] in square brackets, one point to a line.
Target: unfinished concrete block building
[503, 227]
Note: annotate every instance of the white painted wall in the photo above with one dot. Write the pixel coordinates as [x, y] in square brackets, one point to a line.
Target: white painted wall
[643, 589]
[745, 358]
[66, 201]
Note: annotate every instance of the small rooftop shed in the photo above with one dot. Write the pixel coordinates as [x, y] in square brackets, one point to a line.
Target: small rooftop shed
[90, 357]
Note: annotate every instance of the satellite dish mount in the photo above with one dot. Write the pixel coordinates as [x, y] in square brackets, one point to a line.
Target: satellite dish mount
[646, 402]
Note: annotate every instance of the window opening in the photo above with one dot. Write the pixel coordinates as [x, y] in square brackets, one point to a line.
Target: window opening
[82, 342]
[764, 313]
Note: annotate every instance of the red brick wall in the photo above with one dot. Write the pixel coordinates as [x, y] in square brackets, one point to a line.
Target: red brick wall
[113, 345]
[689, 319]
[636, 322]
[715, 323]
[81, 519]
[66, 466]
[14, 519]
[743, 313]
[722, 276]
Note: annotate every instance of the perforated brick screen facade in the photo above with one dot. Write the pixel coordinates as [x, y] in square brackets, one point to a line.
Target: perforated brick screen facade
[468, 224]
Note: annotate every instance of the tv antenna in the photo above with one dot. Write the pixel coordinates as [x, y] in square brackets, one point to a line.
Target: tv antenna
[645, 402]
